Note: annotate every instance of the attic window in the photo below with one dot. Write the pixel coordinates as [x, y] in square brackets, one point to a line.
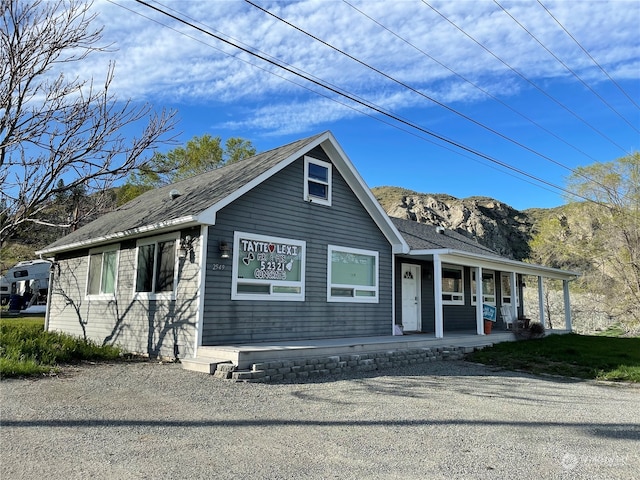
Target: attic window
[317, 181]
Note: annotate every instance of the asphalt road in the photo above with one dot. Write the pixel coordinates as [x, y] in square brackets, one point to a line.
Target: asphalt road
[442, 420]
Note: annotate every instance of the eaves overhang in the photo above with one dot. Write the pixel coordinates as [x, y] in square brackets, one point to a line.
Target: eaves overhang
[458, 257]
[145, 230]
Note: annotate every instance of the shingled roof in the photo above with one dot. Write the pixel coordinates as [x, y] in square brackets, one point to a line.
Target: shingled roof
[156, 208]
[421, 236]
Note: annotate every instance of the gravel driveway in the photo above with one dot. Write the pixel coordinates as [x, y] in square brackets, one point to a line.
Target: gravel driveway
[438, 420]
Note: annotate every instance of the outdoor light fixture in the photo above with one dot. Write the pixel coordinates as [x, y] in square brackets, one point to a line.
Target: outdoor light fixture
[225, 250]
[186, 246]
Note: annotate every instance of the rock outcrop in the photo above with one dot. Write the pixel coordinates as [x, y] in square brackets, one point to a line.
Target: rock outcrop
[491, 222]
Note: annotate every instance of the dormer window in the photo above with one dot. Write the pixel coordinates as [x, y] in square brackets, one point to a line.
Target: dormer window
[317, 181]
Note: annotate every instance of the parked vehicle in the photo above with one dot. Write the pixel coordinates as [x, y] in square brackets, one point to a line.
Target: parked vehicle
[25, 284]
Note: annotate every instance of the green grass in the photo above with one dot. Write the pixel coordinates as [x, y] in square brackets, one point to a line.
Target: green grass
[572, 355]
[27, 350]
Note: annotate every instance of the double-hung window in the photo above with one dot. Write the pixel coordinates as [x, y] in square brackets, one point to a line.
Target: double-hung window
[102, 272]
[488, 287]
[507, 291]
[317, 181]
[452, 285]
[352, 275]
[156, 267]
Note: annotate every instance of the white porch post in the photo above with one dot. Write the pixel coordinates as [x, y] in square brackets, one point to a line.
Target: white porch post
[567, 305]
[541, 300]
[479, 301]
[515, 295]
[437, 291]
[393, 293]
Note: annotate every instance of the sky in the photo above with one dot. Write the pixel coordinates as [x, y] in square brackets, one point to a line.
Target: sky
[469, 98]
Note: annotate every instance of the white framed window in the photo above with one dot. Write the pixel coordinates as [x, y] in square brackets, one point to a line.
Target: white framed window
[507, 295]
[488, 287]
[452, 285]
[102, 271]
[156, 267]
[317, 181]
[267, 268]
[352, 275]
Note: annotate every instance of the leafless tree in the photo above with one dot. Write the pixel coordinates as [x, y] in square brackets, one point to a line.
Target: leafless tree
[59, 132]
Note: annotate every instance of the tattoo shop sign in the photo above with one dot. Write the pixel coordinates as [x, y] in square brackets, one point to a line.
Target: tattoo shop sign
[269, 260]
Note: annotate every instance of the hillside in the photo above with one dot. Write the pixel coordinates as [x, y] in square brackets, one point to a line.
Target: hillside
[491, 222]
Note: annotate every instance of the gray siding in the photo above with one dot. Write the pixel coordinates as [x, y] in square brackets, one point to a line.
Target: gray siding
[276, 208]
[154, 327]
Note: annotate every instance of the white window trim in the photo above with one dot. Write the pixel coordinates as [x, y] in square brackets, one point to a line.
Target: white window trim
[485, 298]
[311, 198]
[457, 294]
[271, 296]
[151, 241]
[103, 296]
[354, 298]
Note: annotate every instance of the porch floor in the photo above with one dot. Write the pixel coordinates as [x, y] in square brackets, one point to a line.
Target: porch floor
[245, 355]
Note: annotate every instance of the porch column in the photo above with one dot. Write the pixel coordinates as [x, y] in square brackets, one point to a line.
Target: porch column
[567, 305]
[479, 302]
[541, 300]
[437, 292]
[515, 295]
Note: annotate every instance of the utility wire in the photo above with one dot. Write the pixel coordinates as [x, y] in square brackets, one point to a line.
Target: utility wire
[478, 87]
[567, 67]
[557, 102]
[367, 104]
[333, 99]
[589, 55]
[409, 87]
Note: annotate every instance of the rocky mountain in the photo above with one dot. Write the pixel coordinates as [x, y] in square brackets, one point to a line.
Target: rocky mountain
[491, 222]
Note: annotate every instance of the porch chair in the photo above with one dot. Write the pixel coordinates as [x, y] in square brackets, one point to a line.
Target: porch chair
[507, 316]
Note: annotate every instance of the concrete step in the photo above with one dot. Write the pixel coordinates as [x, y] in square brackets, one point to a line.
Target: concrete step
[202, 365]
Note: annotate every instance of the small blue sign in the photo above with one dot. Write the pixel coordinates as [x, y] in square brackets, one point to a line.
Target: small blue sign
[488, 312]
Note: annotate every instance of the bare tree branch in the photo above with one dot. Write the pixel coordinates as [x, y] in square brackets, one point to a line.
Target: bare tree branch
[55, 128]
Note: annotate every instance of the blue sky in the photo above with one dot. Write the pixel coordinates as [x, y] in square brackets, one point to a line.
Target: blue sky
[543, 113]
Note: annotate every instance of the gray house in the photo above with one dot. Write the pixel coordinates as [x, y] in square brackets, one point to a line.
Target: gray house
[288, 245]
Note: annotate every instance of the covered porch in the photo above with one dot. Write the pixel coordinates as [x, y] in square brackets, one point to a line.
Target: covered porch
[495, 280]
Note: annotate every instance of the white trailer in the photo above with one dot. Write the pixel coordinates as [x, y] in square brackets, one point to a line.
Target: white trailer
[30, 277]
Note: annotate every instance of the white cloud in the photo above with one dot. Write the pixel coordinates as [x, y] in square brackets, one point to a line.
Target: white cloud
[158, 64]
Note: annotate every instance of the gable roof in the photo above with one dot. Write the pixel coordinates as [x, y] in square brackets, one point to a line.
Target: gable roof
[202, 196]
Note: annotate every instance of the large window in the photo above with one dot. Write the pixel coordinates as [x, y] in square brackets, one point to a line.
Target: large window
[267, 268]
[452, 285]
[317, 181]
[488, 287]
[102, 272]
[507, 294]
[156, 267]
[352, 275]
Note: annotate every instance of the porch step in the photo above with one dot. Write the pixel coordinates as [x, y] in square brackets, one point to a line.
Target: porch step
[202, 364]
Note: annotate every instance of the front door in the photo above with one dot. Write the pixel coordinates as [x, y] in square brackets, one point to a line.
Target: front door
[410, 297]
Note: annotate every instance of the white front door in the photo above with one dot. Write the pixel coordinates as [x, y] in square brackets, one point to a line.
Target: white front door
[410, 297]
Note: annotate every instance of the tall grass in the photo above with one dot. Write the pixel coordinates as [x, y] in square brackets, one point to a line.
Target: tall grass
[26, 349]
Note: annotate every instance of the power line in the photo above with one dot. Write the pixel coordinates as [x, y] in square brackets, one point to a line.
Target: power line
[365, 103]
[557, 102]
[409, 87]
[567, 67]
[335, 100]
[470, 82]
[589, 55]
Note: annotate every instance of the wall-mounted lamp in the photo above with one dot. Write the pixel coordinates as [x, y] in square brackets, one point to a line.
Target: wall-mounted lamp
[225, 249]
[186, 246]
